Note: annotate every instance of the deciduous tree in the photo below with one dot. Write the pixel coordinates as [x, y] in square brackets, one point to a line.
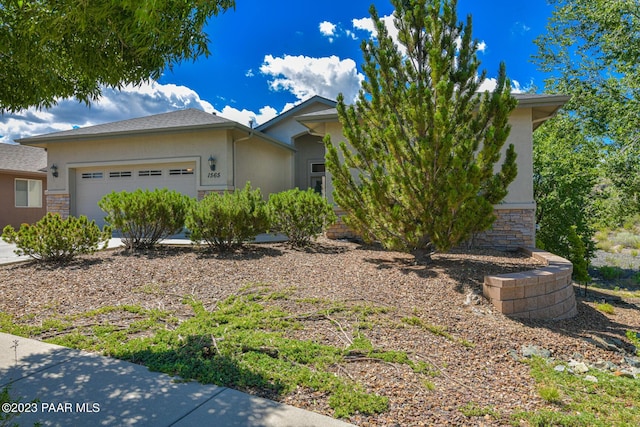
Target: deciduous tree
[51, 49]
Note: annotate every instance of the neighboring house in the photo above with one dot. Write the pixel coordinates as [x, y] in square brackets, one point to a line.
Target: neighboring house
[23, 180]
[174, 150]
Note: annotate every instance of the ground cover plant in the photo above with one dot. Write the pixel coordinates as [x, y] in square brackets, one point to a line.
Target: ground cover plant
[363, 334]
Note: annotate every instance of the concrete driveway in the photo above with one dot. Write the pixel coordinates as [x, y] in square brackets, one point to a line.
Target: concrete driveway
[7, 255]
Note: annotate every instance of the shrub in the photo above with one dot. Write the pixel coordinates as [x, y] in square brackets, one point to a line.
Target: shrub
[53, 239]
[145, 217]
[225, 221]
[301, 215]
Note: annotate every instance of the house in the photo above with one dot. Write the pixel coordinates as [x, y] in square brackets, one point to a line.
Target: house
[190, 151]
[197, 153]
[23, 180]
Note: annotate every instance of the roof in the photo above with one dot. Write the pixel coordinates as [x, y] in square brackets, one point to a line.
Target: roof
[181, 120]
[21, 158]
[544, 106]
[174, 120]
[314, 99]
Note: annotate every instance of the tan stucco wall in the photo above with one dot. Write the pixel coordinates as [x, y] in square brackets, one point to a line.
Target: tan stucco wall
[265, 166]
[157, 148]
[9, 213]
[520, 190]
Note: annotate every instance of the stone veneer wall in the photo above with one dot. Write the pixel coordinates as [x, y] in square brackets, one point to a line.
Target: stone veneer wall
[339, 230]
[512, 229]
[544, 293]
[59, 203]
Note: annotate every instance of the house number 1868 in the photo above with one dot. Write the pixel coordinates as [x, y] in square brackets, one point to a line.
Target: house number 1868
[213, 175]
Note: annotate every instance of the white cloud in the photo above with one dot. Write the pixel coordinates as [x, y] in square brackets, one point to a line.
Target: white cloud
[246, 117]
[132, 101]
[305, 76]
[490, 84]
[327, 28]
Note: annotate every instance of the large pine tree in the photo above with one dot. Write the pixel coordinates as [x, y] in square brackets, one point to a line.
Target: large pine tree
[417, 174]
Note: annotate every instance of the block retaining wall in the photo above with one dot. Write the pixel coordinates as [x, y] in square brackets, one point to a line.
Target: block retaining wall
[543, 293]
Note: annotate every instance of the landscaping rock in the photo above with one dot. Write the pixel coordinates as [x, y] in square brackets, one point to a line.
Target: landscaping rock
[534, 350]
[560, 368]
[610, 344]
[632, 361]
[578, 367]
[590, 378]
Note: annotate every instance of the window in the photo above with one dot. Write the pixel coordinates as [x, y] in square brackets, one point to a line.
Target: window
[150, 172]
[188, 171]
[120, 174]
[28, 193]
[317, 168]
[92, 175]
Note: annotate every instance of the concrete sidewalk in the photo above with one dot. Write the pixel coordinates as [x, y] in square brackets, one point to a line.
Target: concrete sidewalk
[76, 388]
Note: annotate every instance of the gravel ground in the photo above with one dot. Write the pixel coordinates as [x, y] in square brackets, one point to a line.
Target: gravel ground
[484, 373]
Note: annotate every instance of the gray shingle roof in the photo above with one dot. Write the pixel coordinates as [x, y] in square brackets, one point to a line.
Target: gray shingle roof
[165, 121]
[22, 158]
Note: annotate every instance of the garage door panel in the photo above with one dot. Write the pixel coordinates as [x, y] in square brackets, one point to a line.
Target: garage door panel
[93, 183]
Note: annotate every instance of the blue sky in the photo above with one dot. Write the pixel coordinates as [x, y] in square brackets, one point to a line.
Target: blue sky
[268, 56]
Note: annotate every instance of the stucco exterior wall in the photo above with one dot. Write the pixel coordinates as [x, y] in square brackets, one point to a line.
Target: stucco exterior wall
[139, 149]
[264, 165]
[9, 213]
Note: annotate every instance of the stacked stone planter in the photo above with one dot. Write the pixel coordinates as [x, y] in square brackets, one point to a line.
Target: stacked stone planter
[544, 293]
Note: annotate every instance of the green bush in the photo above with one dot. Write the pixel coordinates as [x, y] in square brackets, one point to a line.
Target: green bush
[145, 217]
[53, 239]
[225, 221]
[301, 215]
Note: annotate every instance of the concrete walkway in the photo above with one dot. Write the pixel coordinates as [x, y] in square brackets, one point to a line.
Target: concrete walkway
[75, 388]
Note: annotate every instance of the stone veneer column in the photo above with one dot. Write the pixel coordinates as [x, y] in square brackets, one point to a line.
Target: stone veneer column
[59, 203]
[339, 230]
[512, 229]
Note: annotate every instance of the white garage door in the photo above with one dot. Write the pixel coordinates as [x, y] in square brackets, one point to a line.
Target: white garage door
[93, 183]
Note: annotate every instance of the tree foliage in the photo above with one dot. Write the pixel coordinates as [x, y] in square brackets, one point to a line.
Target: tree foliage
[566, 169]
[52, 49]
[591, 52]
[423, 142]
[57, 240]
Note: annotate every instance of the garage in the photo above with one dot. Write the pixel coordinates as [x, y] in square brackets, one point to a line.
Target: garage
[91, 184]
